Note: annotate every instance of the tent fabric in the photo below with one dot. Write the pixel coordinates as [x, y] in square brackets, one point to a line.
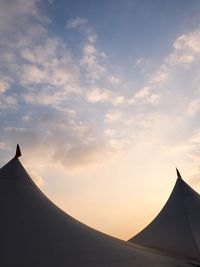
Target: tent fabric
[34, 232]
[177, 227]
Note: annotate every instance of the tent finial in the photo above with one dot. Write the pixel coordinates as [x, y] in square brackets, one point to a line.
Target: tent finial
[178, 174]
[18, 152]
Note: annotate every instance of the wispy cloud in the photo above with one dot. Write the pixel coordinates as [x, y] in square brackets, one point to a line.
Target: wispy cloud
[113, 116]
[76, 23]
[94, 61]
[98, 94]
[5, 83]
[114, 80]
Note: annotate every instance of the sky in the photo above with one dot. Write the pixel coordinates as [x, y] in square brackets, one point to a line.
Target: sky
[104, 99]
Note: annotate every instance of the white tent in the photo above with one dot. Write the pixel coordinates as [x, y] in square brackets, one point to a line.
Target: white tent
[36, 233]
[176, 229]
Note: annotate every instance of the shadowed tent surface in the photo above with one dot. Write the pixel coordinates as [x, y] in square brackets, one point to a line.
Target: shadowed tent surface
[177, 227]
[35, 232]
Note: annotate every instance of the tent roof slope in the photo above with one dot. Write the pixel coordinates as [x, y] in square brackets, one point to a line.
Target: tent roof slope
[15, 172]
[177, 227]
[35, 232]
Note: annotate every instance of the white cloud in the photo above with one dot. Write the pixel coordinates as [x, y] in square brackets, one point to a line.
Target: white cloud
[110, 132]
[145, 96]
[8, 102]
[34, 58]
[48, 49]
[117, 144]
[174, 59]
[9, 12]
[43, 98]
[154, 99]
[114, 80]
[82, 25]
[76, 23]
[143, 92]
[174, 78]
[89, 49]
[94, 61]
[92, 38]
[113, 116]
[26, 118]
[5, 83]
[186, 49]
[188, 42]
[118, 100]
[193, 107]
[31, 74]
[161, 76]
[49, 63]
[97, 94]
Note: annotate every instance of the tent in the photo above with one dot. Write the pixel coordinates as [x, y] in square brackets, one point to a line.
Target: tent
[34, 232]
[176, 229]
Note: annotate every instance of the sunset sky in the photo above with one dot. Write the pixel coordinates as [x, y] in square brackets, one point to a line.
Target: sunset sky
[104, 99]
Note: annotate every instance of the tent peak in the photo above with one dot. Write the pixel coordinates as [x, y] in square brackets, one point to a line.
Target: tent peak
[178, 174]
[18, 152]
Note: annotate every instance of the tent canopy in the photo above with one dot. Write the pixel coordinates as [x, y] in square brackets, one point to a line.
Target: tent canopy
[35, 232]
[177, 227]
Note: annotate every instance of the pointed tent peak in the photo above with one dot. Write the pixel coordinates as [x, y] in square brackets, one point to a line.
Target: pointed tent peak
[15, 171]
[18, 152]
[178, 174]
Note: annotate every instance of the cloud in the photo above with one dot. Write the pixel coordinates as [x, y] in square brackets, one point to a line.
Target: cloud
[5, 83]
[89, 49]
[189, 148]
[8, 102]
[76, 23]
[73, 147]
[114, 80]
[145, 96]
[19, 20]
[44, 73]
[82, 26]
[48, 63]
[143, 92]
[97, 94]
[44, 98]
[176, 81]
[39, 64]
[94, 62]
[188, 42]
[160, 76]
[186, 49]
[193, 107]
[72, 110]
[92, 38]
[9, 12]
[112, 116]
[93, 59]
[83, 156]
